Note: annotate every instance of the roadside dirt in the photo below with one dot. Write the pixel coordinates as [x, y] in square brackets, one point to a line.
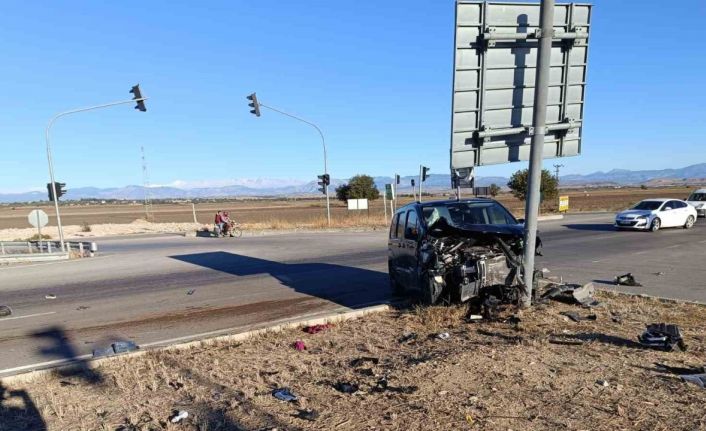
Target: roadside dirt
[484, 376]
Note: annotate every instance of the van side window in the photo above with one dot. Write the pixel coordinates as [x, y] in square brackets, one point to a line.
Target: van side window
[412, 230]
[400, 225]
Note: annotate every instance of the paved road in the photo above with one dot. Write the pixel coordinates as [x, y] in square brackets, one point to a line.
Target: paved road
[158, 290]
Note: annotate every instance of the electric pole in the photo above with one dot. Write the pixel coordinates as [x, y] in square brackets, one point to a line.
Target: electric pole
[556, 175]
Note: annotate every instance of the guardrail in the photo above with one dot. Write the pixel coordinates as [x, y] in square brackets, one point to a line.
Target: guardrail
[14, 248]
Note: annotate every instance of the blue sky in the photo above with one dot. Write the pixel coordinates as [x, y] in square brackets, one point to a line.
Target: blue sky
[374, 75]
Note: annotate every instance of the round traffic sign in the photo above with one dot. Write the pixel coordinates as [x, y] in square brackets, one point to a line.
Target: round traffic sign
[38, 218]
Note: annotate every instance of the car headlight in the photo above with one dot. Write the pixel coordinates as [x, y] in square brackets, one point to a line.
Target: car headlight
[701, 206]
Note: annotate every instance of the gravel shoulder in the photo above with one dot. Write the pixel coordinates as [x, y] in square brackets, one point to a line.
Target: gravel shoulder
[499, 375]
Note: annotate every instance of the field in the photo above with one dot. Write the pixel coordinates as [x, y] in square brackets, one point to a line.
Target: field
[290, 213]
[532, 370]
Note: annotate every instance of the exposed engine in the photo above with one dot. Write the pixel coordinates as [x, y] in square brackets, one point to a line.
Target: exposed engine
[461, 263]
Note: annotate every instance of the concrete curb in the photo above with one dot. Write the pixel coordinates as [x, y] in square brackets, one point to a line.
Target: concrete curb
[45, 257]
[86, 362]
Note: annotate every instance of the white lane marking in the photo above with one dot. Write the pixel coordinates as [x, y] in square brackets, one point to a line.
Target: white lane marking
[596, 261]
[28, 315]
[55, 362]
[641, 252]
[674, 246]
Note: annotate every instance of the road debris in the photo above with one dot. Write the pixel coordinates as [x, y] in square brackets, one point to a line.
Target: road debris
[308, 414]
[82, 307]
[680, 370]
[346, 387]
[443, 336]
[697, 379]
[284, 394]
[50, 296]
[299, 345]
[626, 280]
[576, 317]
[573, 294]
[190, 292]
[408, 338]
[658, 273]
[115, 348]
[5, 311]
[364, 360]
[315, 329]
[662, 336]
[603, 383]
[179, 416]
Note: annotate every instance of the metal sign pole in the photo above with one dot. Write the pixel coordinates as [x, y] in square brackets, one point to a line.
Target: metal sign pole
[539, 120]
[420, 183]
[39, 231]
[384, 203]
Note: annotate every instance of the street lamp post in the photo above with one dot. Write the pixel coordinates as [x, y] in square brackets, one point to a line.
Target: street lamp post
[140, 105]
[256, 111]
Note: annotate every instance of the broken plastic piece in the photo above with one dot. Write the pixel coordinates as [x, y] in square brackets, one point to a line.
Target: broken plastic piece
[662, 336]
[50, 296]
[576, 317]
[697, 379]
[308, 414]
[180, 416]
[5, 311]
[284, 394]
[299, 345]
[346, 387]
[103, 351]
[124, 346]
[443, 336]
[190, 292]
[315, 329]
[627, 280]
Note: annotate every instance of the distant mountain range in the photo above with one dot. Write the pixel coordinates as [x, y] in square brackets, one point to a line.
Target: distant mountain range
[693, 174]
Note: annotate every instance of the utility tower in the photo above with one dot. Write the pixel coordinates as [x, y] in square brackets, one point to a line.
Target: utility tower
[146, 188]
[556, 175]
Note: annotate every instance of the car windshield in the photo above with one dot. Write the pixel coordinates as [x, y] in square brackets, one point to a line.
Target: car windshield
[699, 197]
[460, 213]
[648, 205]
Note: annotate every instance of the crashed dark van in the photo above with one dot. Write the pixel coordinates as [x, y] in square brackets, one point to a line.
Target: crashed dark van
[454, 249]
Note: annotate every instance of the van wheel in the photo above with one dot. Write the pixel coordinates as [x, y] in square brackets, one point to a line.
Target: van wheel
[396, 288]
[656, 224]
[689, 222]
[431, 290]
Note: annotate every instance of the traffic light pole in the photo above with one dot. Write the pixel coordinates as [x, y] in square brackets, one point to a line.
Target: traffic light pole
[420, 183]
[51, 163]
[539, 122]
[323, 143]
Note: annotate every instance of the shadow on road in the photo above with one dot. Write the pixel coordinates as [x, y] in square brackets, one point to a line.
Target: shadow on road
[599, 227]
[16, 417]
[63, 349]
[344, 285]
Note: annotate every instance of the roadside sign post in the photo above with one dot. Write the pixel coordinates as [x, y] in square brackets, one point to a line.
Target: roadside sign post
[563, 204]
[539, 122]
[38, 219]
[519, 80]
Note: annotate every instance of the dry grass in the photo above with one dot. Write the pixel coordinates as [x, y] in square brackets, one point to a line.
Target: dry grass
[359, 221]
[486, 376]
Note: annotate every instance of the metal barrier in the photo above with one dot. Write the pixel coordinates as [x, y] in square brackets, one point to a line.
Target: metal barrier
[82, 248]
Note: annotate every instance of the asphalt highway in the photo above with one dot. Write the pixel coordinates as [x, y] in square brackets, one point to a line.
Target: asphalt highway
[159, 290]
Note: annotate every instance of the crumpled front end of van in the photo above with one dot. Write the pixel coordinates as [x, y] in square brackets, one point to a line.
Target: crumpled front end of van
[462, 262]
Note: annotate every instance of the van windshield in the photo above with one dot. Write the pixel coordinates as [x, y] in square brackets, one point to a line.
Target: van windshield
[648, 205]
[698, 197]
[462, 213]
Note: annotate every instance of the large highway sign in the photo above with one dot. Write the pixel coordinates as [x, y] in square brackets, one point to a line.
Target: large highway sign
[495, 60]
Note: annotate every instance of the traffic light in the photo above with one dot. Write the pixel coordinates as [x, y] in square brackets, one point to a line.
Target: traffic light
[60, 190]
[254, 105]
[324, 181]
[424, 173]
[397, 178]
[412, 180]
[137, 97]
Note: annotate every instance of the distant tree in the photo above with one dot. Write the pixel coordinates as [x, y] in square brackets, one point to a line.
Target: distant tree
[358, 187]
[518, 185]
[643, 187]
[494, 189]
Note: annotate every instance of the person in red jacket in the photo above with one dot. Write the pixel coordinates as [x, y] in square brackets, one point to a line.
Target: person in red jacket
[218, 223]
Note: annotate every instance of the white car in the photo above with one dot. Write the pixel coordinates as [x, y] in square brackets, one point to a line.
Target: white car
[698, 201]
[653, 214]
